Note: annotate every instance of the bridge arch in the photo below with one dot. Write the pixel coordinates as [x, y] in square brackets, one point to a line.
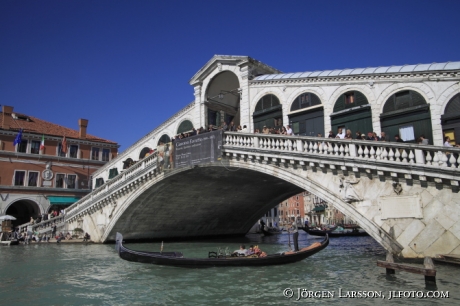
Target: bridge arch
[289, 180]
[450, 119]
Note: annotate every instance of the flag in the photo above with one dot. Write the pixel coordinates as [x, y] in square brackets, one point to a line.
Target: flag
[64, 145]
[18, 138]
[42, 144]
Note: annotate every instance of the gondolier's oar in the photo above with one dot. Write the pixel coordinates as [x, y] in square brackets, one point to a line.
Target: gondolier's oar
[161, 249]
[289, 238]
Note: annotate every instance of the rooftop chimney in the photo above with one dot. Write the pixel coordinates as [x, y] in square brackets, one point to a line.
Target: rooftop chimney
[6, 114]
[83, 124]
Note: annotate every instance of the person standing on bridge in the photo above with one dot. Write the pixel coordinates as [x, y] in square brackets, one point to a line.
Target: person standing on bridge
[288, 130]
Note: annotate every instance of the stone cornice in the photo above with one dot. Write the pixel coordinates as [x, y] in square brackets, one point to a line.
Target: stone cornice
[44, 159]
[81, 192]
[374, 78]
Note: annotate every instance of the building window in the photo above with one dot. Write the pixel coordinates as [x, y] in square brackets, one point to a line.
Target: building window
[35, 147]
[60, 153]
[105, 154]
[60, 180]
[71, 179]
[22, 147]
[95, 153]
[349, 98]
[33, 179]
[99, 182]
[19, 177]
[73, 152]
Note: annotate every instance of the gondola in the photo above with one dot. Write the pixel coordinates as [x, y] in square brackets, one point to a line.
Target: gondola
[214, 260]
[334, 234]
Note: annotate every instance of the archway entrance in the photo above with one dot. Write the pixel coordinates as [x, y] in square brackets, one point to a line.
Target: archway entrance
[352, 111]
[407, 114]
[22, 210]
[307, 115]
[268, 113]
[223, 100]
[451, 120]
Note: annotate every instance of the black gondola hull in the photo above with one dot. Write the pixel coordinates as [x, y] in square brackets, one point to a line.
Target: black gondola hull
[176, 258]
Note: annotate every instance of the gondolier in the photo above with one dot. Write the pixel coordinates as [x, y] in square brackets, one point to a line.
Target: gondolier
[295, 235]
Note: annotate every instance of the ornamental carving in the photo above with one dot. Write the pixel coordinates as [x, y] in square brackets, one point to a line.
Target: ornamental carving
[349, 190]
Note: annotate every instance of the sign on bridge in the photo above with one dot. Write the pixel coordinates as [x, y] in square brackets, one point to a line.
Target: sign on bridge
[200, 149]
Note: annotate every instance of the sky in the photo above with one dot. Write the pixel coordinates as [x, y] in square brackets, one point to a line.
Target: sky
[125, 65]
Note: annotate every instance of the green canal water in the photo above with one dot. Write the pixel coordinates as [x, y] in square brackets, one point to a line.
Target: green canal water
[58, 274]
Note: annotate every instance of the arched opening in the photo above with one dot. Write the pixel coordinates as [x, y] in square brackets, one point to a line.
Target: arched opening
[352, 111]
[23, 210]
[268, 112]
[164, 139]
[450, 120]
[407, 114]
[144, 152]
[185, 126]
[223, 99]
[307, 115]
[126, 164]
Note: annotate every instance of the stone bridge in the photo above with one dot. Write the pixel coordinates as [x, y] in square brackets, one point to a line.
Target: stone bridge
[404, 195]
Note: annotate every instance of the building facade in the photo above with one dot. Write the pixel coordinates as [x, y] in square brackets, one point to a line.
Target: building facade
[42, 171]
[292, 209]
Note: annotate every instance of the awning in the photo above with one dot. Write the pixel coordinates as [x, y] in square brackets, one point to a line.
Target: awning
[318, 208]
[54, 200]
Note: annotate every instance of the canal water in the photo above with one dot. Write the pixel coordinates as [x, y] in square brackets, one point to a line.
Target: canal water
[77, 274]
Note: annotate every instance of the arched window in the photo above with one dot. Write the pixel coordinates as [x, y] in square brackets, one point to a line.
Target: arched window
[350, 99]
[451, 119]
[402, 100]
[407, 115]
[127, 163]
[164, 139]
[267, 102]
[453, 107]
[185, 126]
[305, 100]
[144, 152]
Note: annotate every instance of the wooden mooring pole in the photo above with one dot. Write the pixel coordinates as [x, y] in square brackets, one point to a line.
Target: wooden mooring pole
[428, 270]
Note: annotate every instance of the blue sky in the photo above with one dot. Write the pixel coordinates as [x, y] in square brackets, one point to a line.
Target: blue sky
[125, 65]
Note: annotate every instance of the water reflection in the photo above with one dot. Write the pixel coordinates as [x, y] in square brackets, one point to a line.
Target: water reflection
[52, 274]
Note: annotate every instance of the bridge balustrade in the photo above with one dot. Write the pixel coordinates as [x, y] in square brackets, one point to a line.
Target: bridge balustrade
[407, 154]
[108, 187]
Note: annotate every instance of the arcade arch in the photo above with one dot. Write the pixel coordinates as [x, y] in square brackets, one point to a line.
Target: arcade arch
[450, 120]
[307, 115]
[23, 210]
[185, 126]
[268, 112]
[223, 99]
[407, 114]
[352, 111]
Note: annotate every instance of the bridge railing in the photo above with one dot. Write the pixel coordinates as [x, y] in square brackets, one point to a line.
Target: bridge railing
[112, 184]
[427, 155]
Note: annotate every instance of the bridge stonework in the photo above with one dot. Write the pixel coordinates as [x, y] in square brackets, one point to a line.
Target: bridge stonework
[405, 195]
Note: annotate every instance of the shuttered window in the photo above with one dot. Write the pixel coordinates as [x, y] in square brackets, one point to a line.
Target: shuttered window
[453, 107]
[266, 102]
[402, 100]
[350, 99]
[305, 100]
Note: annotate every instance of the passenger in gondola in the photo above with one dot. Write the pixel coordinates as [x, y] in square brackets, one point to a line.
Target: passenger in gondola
[241, 251]
[251, 250]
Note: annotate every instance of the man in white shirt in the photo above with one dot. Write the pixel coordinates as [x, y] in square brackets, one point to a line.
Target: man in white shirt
[288, 130]
[244, 129]
[340, 133]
